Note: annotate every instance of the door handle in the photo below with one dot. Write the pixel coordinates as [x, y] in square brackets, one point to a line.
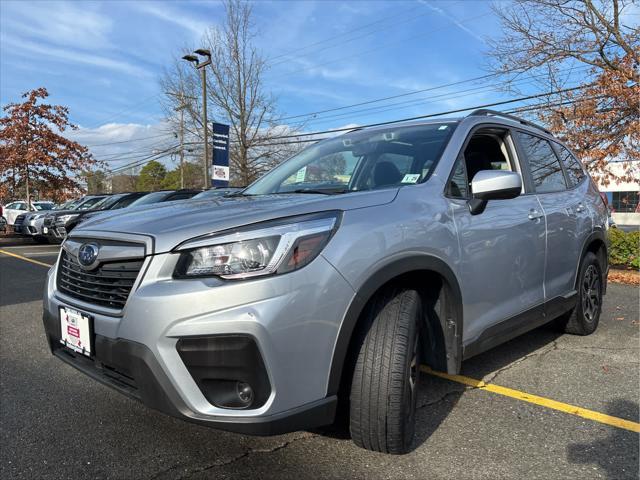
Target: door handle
[534, 214]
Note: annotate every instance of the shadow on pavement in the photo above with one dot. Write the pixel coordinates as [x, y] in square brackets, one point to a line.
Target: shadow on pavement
[504, 355]
[438, 397]
[12, 240]
[612, 453]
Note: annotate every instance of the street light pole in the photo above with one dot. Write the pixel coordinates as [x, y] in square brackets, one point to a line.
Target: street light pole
[203, 73]
[207, 181]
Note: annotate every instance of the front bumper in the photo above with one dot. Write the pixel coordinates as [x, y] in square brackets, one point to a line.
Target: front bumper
[293, 318]
[31, 228]
[132, 369]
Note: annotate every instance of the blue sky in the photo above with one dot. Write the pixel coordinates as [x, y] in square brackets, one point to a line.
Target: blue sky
[103, 59]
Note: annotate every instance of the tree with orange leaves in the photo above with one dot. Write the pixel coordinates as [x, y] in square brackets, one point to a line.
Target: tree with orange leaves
[34, 155]
[598, 43]
[602, 123]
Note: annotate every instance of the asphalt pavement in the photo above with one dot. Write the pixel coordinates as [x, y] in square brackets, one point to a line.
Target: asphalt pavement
[56, 423]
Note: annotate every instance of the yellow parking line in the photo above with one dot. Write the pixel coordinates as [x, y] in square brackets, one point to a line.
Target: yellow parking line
[25, 258]
[535, 399]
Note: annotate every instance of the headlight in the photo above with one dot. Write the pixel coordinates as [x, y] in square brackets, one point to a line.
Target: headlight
[66, 218]
[271, 248]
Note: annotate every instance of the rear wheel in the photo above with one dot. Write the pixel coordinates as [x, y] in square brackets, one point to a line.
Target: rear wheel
[584, 318]
[387, 371]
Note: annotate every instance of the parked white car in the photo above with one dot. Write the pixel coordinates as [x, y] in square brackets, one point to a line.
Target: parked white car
[13, 209]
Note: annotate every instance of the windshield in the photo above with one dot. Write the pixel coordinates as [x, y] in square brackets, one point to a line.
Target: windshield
[107, 202]
[43, 206]
[221, 192]
[88, 203]
[360, 160]
[154, 197]
[69, 204]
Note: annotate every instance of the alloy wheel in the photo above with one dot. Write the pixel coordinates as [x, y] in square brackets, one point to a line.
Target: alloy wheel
[590, 293]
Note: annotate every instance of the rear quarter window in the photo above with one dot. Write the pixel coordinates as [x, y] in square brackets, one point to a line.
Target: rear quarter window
[572, 165]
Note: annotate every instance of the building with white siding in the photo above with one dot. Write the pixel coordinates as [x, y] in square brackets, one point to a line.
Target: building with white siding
[623, 197]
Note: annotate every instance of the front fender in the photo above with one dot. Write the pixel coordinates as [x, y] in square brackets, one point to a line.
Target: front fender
[408, 262]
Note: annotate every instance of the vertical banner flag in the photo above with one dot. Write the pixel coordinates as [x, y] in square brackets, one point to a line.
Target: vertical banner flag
[220, 155]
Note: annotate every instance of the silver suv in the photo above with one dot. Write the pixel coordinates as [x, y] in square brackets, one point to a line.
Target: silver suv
[333, 277]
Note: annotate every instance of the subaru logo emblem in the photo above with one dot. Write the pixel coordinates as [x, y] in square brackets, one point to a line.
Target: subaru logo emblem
[88, 254]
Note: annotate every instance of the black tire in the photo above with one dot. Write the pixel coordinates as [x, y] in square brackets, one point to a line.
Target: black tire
[584, 317]
[387, 371]
[41, 240]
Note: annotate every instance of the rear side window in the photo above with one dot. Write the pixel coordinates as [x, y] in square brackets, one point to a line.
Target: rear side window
[546, 170]
[571, 165]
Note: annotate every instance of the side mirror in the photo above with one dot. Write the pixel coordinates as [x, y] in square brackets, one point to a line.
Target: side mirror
[493, 185]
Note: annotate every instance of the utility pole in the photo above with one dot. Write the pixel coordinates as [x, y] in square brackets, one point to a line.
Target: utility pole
[26, 182]
[203, 73]
[181, 146]
[183, 104]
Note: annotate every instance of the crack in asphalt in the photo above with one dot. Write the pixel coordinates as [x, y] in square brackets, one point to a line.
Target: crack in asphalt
[231, 460]
[539, 353]
[441, 398]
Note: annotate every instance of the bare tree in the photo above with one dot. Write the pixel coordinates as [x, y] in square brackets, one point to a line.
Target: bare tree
[236, 94]
[547, 35]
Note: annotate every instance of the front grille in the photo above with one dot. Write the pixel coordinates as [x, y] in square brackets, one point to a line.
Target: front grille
[19, 219]
[108, 285]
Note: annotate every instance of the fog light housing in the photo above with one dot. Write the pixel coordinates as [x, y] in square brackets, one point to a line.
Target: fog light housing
[228, 369]
[245, 392]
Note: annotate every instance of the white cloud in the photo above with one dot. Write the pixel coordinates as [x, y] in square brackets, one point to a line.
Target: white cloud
[164, 12]
[61, 23]
[74, 56]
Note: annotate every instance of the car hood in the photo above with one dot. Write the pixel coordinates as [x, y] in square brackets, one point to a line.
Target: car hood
[172, 223]
[56, 213]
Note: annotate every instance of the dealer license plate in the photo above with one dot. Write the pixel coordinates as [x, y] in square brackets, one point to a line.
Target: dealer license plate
[75, 328]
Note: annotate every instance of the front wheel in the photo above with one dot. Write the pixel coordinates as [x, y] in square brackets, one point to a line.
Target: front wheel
[387, 371]
[584, 318]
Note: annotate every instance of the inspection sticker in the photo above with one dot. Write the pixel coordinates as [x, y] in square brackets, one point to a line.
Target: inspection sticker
[300, 176]
[411, 178]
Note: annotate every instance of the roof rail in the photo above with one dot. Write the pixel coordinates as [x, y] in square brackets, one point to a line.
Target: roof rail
[485, 111]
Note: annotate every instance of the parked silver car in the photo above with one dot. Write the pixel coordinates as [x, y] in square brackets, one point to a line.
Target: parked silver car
[334, 276]
[32, 224]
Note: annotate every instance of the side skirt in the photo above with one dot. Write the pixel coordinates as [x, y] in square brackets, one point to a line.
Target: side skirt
[519, 324]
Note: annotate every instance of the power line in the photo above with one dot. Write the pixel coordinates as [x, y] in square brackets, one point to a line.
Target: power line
[127, 141]
[422, 101]
[415, 92]
[516, 110]
[390, 122]
[449, 112]
[145, 160]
